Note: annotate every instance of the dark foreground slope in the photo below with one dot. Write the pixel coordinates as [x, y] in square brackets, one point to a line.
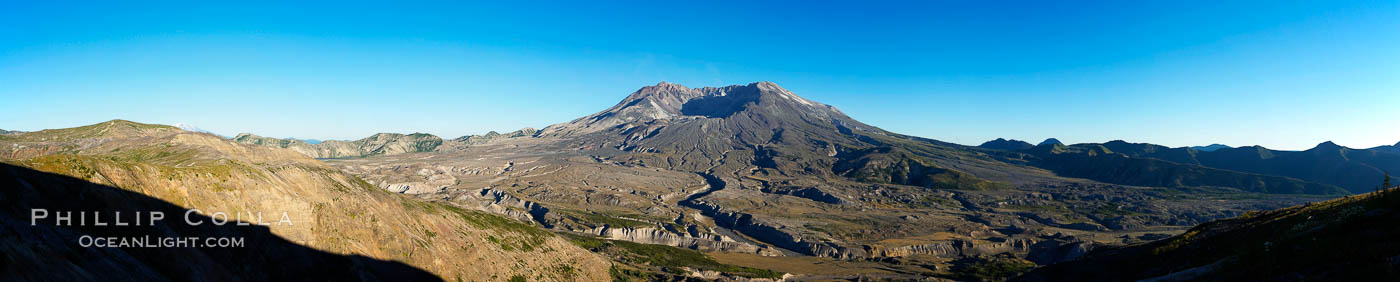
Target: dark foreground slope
[48, 250]
[1346, 239]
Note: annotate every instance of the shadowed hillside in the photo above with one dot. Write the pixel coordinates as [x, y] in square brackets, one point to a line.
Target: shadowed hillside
[1151, 165]
[49, 252]
[1346, 239]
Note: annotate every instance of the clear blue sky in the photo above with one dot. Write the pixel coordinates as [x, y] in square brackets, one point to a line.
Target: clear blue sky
[1282, 74]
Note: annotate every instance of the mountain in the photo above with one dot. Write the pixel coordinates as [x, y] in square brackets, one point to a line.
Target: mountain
[669, 117]
[720, 131]
[339, 227]
[1210, 148]
[1153, 151]
[1387, 148]
[1003, 144]
[378, 144]
[495, 136]
[189, 127]
[1050, 141]
[1346, 239]
[760, 174]
[1327, 163]
[1150, 165]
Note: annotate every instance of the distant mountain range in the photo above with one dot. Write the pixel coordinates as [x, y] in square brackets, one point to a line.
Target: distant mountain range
[189, 127]
[1210, 148]
[1009, 145]
[1328, 164]
[378, 144]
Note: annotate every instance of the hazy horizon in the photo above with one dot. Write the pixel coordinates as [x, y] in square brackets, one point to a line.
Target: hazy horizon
[1285, 76]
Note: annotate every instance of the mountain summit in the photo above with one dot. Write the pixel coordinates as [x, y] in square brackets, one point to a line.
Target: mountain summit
[1004, 144]
[669, 102]
[1050, 141]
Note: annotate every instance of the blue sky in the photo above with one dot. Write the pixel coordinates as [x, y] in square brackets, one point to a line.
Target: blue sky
[1282, 74]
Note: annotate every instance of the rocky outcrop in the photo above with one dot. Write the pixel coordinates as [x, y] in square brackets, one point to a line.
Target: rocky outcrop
[433, 181]
[702, 241]
[413, 188]
[957, 248]
[810, 193]
[499, 202]
[1058, 249]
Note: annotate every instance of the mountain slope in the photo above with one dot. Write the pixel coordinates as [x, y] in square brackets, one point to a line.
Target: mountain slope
[1326, 163]
[378, 144]
[1346, 239]
[1003, 144]
[331, 211]
[1107, 164]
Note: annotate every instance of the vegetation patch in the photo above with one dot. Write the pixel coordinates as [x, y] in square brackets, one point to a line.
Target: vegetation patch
[595, 219]
[666, 259]
[529, 237]
[997, 268]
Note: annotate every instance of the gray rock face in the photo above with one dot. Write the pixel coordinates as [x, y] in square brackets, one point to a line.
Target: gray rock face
[413, 188]
[496, 201]
[703, 242]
